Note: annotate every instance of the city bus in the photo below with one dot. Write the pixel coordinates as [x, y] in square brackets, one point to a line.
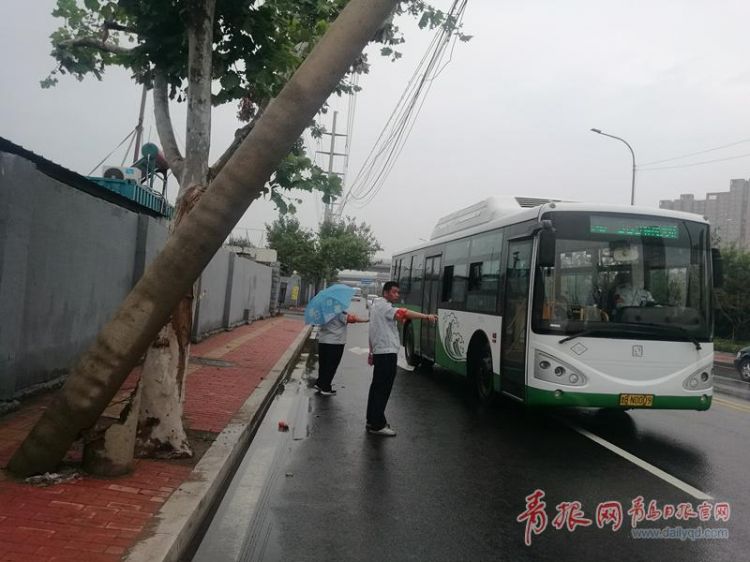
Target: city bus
[531, 303]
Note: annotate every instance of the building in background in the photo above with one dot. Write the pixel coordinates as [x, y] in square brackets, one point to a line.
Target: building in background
[371, 281]
[727, 211]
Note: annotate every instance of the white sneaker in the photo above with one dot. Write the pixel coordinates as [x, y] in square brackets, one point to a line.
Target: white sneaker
[384, 431]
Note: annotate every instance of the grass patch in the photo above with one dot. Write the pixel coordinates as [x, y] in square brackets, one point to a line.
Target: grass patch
[729, 346]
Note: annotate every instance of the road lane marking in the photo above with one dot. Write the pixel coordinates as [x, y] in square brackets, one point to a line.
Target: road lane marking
[658, 472]
[734, 405]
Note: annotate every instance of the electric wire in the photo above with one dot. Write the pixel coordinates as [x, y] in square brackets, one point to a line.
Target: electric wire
[694, 153]
[694, 163]
[129, 135]
[391, 141]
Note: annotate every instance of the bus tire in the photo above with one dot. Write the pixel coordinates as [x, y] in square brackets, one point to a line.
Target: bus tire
[480, 374]
[411, 357]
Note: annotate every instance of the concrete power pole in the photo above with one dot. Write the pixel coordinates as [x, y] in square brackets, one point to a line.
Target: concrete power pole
[328, 214]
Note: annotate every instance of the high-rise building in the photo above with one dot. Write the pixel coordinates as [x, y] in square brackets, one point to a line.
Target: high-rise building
[727, 211]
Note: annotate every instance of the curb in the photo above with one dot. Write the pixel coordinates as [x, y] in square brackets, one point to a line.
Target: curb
[181, 517]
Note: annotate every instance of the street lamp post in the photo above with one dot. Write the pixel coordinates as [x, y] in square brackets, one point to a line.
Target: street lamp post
[632, 182]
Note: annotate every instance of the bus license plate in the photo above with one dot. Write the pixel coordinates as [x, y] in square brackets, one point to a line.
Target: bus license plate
[637, 400]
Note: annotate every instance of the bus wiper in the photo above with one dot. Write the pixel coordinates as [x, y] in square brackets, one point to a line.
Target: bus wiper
[584, 332]
[669, 328]
[635, 327]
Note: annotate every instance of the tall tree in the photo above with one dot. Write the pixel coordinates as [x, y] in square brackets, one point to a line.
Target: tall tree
[102, 369]
[243, 50]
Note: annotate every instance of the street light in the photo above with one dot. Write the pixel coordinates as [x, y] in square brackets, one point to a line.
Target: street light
[632, 183]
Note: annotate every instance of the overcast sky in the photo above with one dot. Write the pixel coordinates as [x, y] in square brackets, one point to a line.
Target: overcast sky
[510, 115]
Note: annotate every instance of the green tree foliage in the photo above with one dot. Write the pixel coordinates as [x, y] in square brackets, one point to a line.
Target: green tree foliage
[296, 247]
[337, 245]
[257, 45]
[733, 318]
[345, 245]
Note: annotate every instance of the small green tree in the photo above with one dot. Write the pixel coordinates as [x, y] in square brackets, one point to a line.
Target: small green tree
[295, 246]
[338, 245]
[345, 245]
[733, 319]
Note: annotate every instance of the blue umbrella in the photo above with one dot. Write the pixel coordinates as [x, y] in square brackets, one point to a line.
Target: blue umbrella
[328, 303]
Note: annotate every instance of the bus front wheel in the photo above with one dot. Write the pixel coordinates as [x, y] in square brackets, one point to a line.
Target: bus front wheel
[480, 375]
[411, 357]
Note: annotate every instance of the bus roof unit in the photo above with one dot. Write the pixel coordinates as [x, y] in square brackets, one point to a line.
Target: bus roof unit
[483, 212]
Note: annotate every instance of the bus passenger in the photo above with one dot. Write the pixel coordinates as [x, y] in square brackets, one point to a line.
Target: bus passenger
[627, 295]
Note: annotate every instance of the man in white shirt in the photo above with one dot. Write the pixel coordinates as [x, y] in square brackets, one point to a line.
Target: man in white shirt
[627, 295]
[384, 347]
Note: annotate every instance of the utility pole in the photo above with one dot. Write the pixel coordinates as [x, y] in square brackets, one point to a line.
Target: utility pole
[328, 214]
[139, 127]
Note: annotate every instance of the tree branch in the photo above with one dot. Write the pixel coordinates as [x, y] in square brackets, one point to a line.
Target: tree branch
[199, 20]
[164, 125]
[239, 136]
[96, 43]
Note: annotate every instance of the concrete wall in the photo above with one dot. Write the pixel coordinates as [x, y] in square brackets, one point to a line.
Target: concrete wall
[232, 290]
[67, 260]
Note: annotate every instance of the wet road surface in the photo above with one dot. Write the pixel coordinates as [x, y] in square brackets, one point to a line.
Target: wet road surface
[453, 482]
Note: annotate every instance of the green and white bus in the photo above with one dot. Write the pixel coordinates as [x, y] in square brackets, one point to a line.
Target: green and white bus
[531, 304]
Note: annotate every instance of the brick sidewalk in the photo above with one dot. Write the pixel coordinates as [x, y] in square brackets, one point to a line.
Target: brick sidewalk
[97, 519]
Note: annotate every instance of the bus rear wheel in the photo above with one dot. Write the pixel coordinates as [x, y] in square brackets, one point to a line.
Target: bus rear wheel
[481, 377]
[411, 357]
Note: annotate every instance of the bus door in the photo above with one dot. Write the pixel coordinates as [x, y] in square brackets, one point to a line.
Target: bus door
[429, 306]
[515, 315]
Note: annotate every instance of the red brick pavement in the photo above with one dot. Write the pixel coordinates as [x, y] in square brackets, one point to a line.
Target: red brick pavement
[98, 519]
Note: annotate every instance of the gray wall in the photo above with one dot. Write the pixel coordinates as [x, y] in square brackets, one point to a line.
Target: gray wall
[233, 290]
[67, 260]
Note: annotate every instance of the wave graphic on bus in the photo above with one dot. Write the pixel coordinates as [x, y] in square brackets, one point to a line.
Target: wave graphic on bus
[453, 341]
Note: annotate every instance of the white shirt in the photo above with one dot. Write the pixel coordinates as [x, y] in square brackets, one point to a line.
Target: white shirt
[626, 295]
[383, 327]
[333, 331]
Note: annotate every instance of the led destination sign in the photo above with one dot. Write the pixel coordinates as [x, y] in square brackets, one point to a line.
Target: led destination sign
[633, 227]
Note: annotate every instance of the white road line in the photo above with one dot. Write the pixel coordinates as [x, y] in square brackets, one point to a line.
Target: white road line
[659, 473]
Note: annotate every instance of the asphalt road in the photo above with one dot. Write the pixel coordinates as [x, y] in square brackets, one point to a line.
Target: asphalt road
[453, 483]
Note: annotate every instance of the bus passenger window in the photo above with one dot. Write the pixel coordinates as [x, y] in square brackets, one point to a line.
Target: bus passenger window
[475, 276]
[447, 283]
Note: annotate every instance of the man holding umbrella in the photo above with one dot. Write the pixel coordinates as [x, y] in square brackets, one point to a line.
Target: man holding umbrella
[328, 310]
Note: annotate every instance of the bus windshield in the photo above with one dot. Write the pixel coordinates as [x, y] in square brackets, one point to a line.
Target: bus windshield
[623, 276]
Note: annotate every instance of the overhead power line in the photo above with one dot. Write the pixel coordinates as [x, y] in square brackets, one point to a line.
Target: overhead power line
[694, 153]
[384, 154]
[694, 163]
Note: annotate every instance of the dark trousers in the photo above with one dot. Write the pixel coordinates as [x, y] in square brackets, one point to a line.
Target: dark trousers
[329, 357]
[383, 375]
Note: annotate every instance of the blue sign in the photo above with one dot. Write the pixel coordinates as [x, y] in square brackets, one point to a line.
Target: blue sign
[366, 281]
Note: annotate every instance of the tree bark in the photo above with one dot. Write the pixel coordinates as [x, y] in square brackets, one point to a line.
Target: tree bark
[161, 432]
[164, 125]
[103, 368]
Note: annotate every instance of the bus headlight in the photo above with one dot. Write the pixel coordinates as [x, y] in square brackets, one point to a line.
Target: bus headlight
[551, 369]
[700, 380]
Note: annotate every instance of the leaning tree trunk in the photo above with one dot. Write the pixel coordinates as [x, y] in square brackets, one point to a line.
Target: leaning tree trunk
[103, 368]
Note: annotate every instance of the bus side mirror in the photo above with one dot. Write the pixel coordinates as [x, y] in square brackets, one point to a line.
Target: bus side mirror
[546, 248]
[717, 265]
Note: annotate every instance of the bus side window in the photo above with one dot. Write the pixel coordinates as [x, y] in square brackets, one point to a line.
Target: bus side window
[447, 284]
[475, 276]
